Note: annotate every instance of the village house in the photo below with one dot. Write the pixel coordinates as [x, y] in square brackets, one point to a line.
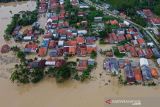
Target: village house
[31, 47]
[82, 50]
[82, 65]
[137, 74]
[42, 51]
[129, 73]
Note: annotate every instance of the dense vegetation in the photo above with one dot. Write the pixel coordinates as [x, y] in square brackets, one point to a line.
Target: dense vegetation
[23, 18]
[5, 1]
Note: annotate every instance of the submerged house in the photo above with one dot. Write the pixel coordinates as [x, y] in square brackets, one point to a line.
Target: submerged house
[82, 65]
[31, 48]
[146, 73]
[111, 65]
[137, 74]
[156, 52]
[129, 73]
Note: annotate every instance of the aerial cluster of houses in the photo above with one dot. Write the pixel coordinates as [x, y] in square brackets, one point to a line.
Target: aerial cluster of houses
[131, 42]
[147, 13]
[60, 40]
[134, 71]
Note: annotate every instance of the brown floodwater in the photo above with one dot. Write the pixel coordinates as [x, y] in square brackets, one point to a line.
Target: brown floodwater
[48, 93]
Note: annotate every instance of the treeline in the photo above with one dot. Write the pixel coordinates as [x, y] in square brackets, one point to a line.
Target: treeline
[154, 5]
[23, 18]
[6, 1]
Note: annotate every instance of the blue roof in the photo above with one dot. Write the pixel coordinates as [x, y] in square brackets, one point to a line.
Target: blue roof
[45, 43]
[156, 52]
[53, 53]
[146, 72]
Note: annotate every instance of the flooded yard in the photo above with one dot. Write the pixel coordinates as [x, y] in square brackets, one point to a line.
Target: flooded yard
[48, 93]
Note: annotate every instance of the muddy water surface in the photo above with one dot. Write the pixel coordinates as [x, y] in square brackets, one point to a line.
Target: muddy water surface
[48, 93]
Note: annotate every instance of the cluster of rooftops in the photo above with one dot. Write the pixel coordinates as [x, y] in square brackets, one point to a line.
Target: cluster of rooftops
[134, 71]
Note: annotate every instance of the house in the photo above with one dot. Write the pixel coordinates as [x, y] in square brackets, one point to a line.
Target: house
[91, 48]
[74, 2]
[141, 42]
[156, 53]
[121, 38]
[50, 62]
[137, 74]
[83, 6]
[144, 61]
[59, 63]
[113, 22]
[135, 43]
[129, 74]
[126, 22]
[147, 12]
[72, 43]
[133, 51]
[42, 51]
[82, 32]
[149, 53]
[121, 63]
[114, 37]
[60, 43]
[90, 40]
[82, 65]
[141, 53]
[52, 44]
[154, 73]
[146, 73]
[63, 37]
[80, 40]
[91, 62]
[31, 47]
[128, 36]
[45, 42]
[158, 61]
[48, 35]
[42, 7]
[72, 50]
[121, 49]
[82, 50]
[120, 31]
[27, 38]
[98, 19]
[109, 53]
[53, 53]
[155, 20]
[33, 64]
[111, 65]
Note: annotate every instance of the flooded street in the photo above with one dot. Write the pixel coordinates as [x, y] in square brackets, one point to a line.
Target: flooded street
[48, 93]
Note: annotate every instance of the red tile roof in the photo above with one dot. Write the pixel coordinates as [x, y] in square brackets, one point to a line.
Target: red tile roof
[140, 41]
[121, 48]
[114, 36]
[121, 38]
[72, 50]
[31, 45]
[82, 50]
[60, 62]
[82, 65]
[42, 51]
[72, 43]
[128, 36]
[147, 12]
[114, 22]
[80, 40]
[52, 44]
[90, 49]
[133, 51]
